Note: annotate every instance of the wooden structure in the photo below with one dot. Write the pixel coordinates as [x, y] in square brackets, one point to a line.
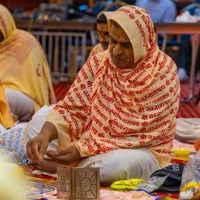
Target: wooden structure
[65, 51]
[26, 5]
[161, 28]
[65, 44]
[32, 4]
[75, 183]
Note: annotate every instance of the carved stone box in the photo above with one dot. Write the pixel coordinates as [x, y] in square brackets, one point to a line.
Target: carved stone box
[75, 183]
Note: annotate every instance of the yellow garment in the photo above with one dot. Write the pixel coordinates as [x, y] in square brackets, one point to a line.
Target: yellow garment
[12, 176]
[23, 63]
[5, 115]
[109, 108]
[190, 185]
[131, 184]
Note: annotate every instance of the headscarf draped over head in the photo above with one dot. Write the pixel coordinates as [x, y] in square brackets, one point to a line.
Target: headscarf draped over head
[7, 23]
[107, 14]
[139, 28]
[109, 108]
[23, 63]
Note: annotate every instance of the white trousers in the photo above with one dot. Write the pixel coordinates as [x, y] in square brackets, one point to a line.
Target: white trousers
[115, 165]
[21, 106]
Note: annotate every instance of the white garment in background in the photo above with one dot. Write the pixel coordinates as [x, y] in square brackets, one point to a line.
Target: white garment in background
[35, 126]
[20, 105]
[188, 129]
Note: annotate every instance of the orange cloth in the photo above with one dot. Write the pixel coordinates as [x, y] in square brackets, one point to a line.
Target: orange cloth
[5, 115]
[23, 63]
[108, 108]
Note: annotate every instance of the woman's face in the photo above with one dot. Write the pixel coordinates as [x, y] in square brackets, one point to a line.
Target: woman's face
[1, 37]
[120, 48]
[102, 35]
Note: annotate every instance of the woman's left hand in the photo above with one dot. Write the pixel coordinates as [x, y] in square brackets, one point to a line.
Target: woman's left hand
[66, 155]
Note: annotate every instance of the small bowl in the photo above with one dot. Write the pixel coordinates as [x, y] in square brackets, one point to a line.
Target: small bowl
[182, 152]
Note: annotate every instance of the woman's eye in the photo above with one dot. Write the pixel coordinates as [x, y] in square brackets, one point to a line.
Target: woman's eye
[112, 41]
[127, 45]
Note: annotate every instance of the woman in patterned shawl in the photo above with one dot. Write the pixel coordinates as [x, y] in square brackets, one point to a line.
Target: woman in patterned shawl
[120, 113]
[24, 69]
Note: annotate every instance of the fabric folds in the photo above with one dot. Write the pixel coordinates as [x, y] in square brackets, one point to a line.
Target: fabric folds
[23, 63]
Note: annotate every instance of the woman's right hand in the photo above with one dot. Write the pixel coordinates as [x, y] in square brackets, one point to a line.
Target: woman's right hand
[37, 146]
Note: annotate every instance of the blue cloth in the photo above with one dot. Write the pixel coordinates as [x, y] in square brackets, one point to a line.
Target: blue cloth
[193, 9]
[159, 10]
[12, 145]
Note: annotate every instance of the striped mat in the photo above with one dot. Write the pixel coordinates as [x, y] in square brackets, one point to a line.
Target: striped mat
[186, 110]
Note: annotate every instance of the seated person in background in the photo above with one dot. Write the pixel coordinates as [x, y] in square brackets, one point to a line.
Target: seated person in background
[193, 8]
[159, 10]
[120, 113]
[184, 57]
[24, 69]
[188, 129]
[102, 33]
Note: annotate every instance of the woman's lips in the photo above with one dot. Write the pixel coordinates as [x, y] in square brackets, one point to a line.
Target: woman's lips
[117, 59]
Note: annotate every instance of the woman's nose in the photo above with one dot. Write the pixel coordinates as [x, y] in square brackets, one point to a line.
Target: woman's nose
[102, 36]
[117, 49]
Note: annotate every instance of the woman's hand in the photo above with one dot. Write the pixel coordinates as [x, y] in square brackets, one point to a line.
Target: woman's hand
[37, 146]
[65, 156]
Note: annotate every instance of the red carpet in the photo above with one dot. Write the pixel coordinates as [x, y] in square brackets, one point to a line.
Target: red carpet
[186, 110]
[61, 89]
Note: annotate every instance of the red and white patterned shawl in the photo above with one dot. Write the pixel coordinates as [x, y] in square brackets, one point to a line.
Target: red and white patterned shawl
[108, 108]
[96, 49]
